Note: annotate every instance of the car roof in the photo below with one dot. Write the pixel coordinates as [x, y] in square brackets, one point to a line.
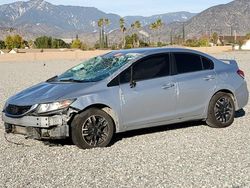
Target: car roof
[151, 51]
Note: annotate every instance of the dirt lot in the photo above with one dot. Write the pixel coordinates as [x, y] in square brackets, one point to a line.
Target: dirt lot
[76, 55]
[183, 155]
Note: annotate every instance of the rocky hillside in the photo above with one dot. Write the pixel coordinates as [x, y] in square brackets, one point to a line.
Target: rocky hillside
[166, 18]
[41, 17]
[38, 17]
[224, 19]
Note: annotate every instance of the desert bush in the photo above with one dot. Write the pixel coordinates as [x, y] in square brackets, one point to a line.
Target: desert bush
[49, 42]
[43, 42]
[84, 46]
[144, 44]
[133, 41]
[76, 44]
[113, 47]
[240, 43]
[15, 41]
[160, 44]
[215, 38]
[248, 36]
[97, 45]
[202, 42]
[2, 44]
[59, 43]
[192, 43]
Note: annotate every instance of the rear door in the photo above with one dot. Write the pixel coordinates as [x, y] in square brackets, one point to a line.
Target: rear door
[196, 80]
[153, 97]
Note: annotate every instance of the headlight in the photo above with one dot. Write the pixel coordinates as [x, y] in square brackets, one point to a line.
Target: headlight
[49, 107]
[5, 106]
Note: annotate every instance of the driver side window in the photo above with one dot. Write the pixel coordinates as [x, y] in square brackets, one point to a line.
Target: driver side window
[125, 76]
[149, 68]
[153, 67]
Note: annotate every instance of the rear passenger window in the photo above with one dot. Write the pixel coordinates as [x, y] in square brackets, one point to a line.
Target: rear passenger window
[187, 62]
[207, 63]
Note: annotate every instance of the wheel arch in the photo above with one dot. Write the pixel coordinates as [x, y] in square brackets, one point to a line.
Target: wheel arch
[228, 91]
[211, 118]
[106, 109]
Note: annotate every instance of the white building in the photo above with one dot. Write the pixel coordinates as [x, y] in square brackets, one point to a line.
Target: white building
[245, 46]
[13, 51]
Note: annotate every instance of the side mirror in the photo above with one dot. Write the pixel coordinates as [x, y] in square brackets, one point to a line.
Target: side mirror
[132, 84]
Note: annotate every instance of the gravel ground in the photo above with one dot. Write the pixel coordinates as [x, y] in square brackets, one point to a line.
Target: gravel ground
[183, 155]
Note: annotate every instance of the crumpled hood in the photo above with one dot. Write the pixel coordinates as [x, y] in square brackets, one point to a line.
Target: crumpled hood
[49, 92]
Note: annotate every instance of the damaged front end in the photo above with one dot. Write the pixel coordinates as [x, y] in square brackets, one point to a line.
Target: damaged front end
[44, 121]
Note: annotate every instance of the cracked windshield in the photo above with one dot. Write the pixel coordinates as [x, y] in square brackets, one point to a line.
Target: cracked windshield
[98, 68]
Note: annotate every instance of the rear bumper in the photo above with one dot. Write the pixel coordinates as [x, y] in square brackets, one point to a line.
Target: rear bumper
[54, 127]
[242, 96]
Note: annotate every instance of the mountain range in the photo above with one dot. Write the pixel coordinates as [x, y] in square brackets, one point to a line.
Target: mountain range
[227, 19]
[38, 17]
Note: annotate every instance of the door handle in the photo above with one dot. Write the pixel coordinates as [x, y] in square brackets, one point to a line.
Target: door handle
[168, 86]
[209, 77]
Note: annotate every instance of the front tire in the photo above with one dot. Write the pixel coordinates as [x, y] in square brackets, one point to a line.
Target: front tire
[221, 111]
[92, 128]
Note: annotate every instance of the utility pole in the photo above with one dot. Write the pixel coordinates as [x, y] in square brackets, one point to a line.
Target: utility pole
[235, 36]
[171, 37]
[183, 33]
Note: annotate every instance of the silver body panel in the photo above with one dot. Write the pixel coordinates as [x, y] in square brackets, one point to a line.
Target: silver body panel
[154, 102]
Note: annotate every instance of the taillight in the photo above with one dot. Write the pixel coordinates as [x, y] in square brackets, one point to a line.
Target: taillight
[241, 73]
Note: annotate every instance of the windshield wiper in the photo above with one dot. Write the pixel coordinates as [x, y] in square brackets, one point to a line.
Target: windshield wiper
[71, 80]
[52, 79]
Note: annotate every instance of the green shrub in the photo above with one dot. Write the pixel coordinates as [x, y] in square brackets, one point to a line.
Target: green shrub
[15, 41]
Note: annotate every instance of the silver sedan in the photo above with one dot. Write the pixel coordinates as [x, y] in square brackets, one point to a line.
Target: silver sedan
[127, 90]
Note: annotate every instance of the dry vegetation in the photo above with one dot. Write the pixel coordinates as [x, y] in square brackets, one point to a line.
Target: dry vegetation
[75, 55]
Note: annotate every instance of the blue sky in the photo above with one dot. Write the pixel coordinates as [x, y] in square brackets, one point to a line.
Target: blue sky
[139, 7]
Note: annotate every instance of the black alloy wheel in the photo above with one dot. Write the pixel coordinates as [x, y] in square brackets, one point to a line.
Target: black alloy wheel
[95, 130]
[221, 110]
[92, 128]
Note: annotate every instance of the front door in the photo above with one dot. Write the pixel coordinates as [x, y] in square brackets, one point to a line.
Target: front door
[152, 99]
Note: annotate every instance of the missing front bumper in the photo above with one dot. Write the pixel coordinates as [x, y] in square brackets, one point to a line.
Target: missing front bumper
[59, 132]
[54, 127]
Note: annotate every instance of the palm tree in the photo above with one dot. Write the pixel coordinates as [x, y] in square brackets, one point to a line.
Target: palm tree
[153, 27]
[159, 25]
[136, 26]
[103, 39]
[106, 24]
[123, 30]
[156, 26]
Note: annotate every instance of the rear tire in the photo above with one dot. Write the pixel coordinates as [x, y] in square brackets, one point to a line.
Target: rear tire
[92, 128]
[221, 111]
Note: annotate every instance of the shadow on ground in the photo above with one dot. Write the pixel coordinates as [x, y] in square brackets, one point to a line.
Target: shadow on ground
[145, 131]
[129, 134]
[240, 113]
[159, 129]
